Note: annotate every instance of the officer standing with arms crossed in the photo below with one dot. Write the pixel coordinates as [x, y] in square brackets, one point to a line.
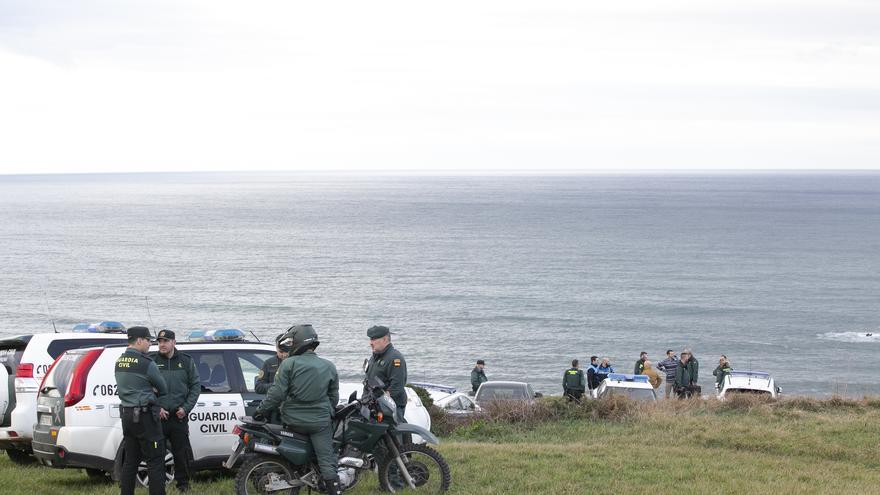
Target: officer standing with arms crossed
[388, 365]
[180, 374]
[140, 385]
[306, 389]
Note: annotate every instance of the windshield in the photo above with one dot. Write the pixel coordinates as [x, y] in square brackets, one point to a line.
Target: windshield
[502, 393]
[632, 393]
[732, 391]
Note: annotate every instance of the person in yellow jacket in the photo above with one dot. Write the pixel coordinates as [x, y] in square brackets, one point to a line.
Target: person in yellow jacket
[651, 373]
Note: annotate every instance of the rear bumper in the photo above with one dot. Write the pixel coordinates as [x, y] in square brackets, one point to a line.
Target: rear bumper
[15, 441]
[50, 454]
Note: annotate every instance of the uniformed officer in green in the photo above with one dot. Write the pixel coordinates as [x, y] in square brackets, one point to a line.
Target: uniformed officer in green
[574, 382]
[306, 390]
[388, 365]
[182, 377]
[478, 375]
[140, 386]
[270, 366]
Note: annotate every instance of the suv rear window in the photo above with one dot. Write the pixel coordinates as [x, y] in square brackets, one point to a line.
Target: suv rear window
[57, 347]
[56, 381]
[11, 350]
[632, 393]
[503, 392]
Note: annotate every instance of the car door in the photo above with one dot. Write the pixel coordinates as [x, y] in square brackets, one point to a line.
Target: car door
[219, 406]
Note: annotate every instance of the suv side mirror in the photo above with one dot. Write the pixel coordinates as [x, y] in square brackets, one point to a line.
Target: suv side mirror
[778, 390]
[538, 395]
[353, 397]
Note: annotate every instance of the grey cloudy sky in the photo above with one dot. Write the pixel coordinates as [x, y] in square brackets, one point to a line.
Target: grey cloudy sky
[160, 85]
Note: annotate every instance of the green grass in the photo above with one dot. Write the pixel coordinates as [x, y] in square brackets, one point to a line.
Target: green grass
[803, 446]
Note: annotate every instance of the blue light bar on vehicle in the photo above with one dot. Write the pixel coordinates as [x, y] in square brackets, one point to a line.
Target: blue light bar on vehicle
[624, 377]
[751, 374]
[228, 334]
[111, 327]
[82, 327]
[216, 335]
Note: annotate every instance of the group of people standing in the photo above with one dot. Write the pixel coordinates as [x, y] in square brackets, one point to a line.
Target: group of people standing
[681, 374]
[158, 391]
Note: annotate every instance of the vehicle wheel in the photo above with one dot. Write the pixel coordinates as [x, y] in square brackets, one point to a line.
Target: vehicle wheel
[96, 474]
[20, 456]
[143, 475]
[258, 471]
[427, 468]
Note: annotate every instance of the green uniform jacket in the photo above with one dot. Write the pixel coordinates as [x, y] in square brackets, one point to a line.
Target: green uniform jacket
[267, 375]
[390, 367]
[182, 378]
[136, 378]
[639, 367]
[683, 375]
[720, 372]
[306, 389]
[694, 368]
[573, 379]
[478, 376]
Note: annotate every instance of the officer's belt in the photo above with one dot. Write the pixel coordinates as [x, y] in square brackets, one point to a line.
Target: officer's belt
[311, 403]
[132, 408]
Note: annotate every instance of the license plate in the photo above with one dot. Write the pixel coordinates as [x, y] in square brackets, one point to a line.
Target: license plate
[45, 419]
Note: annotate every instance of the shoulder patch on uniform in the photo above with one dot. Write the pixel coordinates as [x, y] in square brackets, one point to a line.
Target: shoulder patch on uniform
[397, 363]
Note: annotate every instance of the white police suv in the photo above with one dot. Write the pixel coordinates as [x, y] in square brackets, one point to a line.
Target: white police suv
[635, 387]
[24, 360]
[78, 422]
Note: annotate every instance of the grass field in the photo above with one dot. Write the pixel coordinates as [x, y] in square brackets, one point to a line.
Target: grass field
[801, 446]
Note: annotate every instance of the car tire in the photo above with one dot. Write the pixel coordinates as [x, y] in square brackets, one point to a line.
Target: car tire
[20, 457]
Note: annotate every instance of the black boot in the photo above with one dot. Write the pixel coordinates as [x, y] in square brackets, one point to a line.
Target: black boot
[333, 486]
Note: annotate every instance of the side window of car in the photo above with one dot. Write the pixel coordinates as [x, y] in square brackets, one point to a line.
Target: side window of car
[466, 404]
[212, 370]
[250, 363]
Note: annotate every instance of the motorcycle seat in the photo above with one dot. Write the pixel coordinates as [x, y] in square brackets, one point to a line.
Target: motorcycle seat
[285, 431]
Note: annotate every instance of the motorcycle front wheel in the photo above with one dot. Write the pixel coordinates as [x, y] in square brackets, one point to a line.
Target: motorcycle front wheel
[427, 468]
[258, 474]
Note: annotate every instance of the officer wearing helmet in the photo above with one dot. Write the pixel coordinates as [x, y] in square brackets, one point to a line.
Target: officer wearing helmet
[270, 366]
[306, 389]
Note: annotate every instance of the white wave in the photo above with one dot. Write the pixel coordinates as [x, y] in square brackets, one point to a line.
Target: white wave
[866, 336]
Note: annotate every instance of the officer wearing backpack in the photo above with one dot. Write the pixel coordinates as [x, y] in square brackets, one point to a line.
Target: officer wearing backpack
[574, 382]
[306, 389]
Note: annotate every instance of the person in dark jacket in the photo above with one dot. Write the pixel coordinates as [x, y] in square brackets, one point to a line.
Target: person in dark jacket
[684, 381]
[574, 382]
[669, 366]
[182, 377]
[640, 364]
[478, 375]
[306, 391]
[387, 364]
[694, 365]
[140, 387]
[721, 371]
[603, 370]
[267, 373]
[592, 381]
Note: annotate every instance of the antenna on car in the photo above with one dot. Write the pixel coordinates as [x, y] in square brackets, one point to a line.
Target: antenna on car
[255, 335]
[147, 300]
[48, 311]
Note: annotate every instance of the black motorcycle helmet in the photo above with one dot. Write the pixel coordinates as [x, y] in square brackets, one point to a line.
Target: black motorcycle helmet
[301, 338]
[282, 344]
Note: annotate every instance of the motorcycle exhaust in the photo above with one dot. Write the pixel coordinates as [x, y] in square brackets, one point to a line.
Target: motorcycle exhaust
[265, 449]
[352, 462]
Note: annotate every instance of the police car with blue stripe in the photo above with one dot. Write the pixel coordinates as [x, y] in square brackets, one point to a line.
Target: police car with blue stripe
[635, 387]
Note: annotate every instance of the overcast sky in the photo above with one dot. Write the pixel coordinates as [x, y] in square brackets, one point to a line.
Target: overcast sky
[102, 86]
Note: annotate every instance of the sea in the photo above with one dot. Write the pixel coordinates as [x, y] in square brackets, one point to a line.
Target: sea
[778, 271]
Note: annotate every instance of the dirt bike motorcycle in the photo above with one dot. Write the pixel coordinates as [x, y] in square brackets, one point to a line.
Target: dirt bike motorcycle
[367, 436]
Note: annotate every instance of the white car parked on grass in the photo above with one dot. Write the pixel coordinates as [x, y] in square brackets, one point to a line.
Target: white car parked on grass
[748, 382]
[635, 387]
[24, 361]
[450, 399]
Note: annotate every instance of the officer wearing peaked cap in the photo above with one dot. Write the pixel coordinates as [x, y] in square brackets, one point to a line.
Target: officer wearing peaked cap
[180, 374]
[387, 364]
[140, 387]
